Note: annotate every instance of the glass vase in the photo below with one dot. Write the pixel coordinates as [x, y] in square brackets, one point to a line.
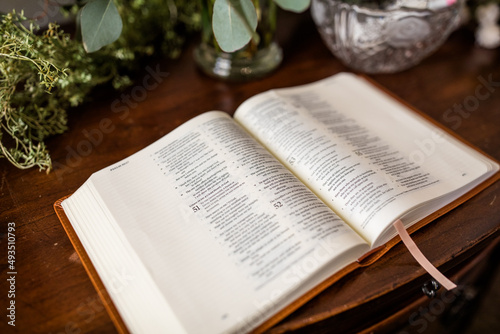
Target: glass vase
[255, 60]
[384, 36]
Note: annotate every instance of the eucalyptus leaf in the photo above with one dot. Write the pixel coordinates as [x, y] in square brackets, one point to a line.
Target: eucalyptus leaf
[101, 24]
[297, 6]
[234, 23]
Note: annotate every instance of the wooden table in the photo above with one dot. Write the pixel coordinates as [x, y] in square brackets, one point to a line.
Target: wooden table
[53, 291]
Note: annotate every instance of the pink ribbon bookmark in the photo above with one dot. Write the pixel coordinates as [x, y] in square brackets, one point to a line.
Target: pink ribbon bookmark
[421, 259]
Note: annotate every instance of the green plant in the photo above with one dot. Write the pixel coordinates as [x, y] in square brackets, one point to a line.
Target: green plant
[37, 85]
[144, 27]
[234, 22]
[43, 74]
[101, 24]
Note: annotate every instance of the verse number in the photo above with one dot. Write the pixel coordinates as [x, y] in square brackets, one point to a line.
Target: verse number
[195, 208]
[278, 205]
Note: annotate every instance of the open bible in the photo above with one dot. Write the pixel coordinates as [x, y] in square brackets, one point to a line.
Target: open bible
[227, 223]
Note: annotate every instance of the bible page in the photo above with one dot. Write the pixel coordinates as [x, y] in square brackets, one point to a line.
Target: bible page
[370, 158]
[222, 228]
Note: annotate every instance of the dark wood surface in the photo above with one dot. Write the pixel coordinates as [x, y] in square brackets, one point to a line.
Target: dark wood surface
[55, 295]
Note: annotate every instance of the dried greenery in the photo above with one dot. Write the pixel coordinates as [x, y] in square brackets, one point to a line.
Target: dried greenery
[36, 88]
[43, 74]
